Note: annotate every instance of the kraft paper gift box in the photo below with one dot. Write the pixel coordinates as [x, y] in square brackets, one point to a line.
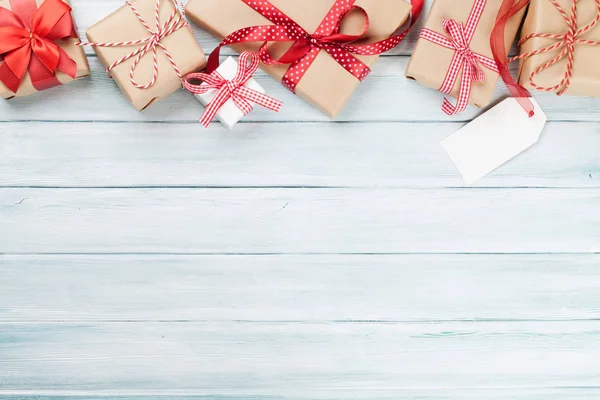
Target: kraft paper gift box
[326, 85]
[229, 114]
[76, 53]
[543, 17]
[122, 26]
[430, 62]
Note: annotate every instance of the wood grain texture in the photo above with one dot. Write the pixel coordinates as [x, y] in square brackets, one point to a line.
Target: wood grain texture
[245, 358]
[299, 221]
[385, 96]
[394, 155]
[82, 173]
[290, 288]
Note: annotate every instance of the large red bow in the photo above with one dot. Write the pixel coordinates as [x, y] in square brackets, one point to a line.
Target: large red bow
[307, 46]
[27, 43]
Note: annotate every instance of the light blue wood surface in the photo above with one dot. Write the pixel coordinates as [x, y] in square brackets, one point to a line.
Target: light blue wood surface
[143, 257]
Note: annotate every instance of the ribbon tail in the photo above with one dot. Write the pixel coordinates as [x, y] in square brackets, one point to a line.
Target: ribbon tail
[259, 98]
[464, 95]
[214, 106]
[9, 79]
[66, 64]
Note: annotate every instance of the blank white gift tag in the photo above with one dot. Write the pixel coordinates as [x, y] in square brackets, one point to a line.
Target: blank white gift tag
[494, 138]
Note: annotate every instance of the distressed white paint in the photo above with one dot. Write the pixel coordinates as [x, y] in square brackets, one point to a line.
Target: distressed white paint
[396, 155]
[117, 325]
[317, 288]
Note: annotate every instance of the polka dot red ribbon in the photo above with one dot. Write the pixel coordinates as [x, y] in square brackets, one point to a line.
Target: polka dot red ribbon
[307, 46]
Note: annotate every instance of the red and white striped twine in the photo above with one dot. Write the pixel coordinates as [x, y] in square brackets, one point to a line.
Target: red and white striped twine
[465, 60]
[150, 44]
[566, 42]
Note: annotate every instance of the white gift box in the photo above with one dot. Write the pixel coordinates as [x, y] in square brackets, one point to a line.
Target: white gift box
[229, 114]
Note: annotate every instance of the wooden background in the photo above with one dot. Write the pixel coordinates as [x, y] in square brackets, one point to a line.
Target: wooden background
[292, 258]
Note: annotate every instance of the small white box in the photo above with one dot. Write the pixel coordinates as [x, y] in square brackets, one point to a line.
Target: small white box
[229, 114]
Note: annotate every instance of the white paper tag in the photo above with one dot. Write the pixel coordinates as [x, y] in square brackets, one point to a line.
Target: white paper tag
[494, 138]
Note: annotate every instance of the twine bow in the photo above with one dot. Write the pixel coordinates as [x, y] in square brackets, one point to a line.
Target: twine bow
[566, 42]
[306, 46]
[234, 89]
[150, 43]
[28, 38]
[465, 60]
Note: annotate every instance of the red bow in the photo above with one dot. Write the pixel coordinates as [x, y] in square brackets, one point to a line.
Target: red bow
[307, 46]
[234, 89]
[27, 42]
[464, 59]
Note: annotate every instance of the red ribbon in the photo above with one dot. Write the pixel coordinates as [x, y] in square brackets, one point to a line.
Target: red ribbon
[497, 41]
[464, 59]
[234, 89]
[307, 46]
[27, 43]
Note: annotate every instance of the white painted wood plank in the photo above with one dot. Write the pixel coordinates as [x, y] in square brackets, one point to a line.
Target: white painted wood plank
[385, 96]
[299, 221]
[277, 359]
[315, 154]
[394, 288]
[541, 393]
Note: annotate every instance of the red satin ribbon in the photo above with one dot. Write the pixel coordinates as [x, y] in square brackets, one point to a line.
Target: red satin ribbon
[497, 41]
[27, 43]
[307, 46]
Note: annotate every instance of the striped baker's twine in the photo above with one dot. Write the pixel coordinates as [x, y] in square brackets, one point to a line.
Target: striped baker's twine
[567, 42]
[150, 44]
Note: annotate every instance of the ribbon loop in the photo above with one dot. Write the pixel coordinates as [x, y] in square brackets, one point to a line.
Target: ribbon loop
[234, 89]
[31, 47]
[151, 44]
[465, 60]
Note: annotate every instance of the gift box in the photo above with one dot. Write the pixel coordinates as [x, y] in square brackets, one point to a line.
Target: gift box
[229, 114]
[538, 71]
[325, 82]
[72, 62]
[126, 40]
[455, 47]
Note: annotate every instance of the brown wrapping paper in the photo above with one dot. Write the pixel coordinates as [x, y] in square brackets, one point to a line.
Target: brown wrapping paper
[122, 26]
[543, 17]
[430, 62]
[326, 84]
[69, 46]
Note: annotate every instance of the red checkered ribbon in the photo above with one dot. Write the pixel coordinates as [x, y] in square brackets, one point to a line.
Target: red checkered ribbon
[307, 46]
[150, 44]
[234, 89]
[465, 60]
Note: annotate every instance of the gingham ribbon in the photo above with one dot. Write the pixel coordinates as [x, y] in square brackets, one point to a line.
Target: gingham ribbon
[233, 89]
[465, 60]
[150, 44]
[307, 46]
[566, 42]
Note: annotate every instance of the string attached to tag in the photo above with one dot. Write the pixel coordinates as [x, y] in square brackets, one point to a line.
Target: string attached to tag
[498, 44]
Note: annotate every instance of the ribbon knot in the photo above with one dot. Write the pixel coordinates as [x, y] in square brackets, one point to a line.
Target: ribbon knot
[306, 46]
[567, 42]
[27, 43]
[465, 59]
[151, 44]
[234, 89]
